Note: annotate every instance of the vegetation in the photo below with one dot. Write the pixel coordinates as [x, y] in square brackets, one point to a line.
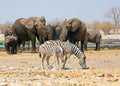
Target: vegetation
[1, 42]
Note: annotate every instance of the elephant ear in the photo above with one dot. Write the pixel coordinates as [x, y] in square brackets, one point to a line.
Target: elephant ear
[28, 23]
[42, 19]
[22, 21]
[74, 27]
[74, 24]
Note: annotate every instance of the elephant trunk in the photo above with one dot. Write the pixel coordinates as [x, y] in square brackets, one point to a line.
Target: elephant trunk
[63, 36]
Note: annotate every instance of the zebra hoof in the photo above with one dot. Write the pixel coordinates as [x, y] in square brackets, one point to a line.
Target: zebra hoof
[85, 68]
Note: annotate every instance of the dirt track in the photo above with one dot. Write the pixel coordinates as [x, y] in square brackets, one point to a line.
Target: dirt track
[23, 69]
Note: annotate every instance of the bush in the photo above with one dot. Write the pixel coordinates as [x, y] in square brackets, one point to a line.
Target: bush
[1, 42]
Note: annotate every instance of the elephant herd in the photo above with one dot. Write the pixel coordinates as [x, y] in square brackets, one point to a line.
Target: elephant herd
[28, 29]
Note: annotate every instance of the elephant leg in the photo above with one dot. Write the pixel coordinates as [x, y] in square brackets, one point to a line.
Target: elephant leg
[97, 43]
[28, 45]
[96, 48]
[33, 41]
[82, 45]
[18, 44]
[23, 47]
[40, 40]
[33, 45]
[10, 50]
[7, 48]
[32, 37]
[85, 46]
[15, 50]
[18, 47]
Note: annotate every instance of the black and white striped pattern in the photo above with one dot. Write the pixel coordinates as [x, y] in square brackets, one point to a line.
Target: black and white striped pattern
[47, 50]
[70, 49]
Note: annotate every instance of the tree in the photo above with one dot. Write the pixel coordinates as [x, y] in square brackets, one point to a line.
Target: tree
[106, 26]
[114, 14]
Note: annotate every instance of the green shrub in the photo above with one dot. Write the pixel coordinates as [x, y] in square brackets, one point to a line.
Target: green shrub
[1, 42]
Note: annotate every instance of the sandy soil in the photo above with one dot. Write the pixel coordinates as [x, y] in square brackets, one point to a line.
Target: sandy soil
[23, 69]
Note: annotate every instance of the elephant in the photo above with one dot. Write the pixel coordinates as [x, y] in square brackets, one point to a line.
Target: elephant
[27, 30]
[58, 29]
[93, 36]
[11, 44]
[51, 32]
[74, 30]
[6, 29]
[47, 33]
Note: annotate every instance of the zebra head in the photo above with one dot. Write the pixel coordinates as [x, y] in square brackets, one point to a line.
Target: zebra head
[82, 62]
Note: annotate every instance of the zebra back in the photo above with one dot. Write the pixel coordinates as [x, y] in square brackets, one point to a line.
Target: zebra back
[49, 49]
[69, 48]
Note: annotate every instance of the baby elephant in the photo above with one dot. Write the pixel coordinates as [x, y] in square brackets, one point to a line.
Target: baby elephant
[11, 44]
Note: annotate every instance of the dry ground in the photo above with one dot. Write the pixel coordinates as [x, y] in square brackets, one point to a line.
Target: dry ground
[23, 69]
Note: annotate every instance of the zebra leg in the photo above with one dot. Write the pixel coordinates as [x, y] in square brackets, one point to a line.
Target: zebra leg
[64, 62]
[47, 60]
[52, 66]
[69, 61]
[42, 61]
[54, 61]
[58, 60]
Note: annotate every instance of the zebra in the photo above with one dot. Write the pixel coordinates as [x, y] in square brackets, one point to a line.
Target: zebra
[68, 50]
[47, 50]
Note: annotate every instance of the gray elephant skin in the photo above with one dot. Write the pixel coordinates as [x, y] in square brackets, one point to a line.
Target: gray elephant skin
[93, 36]
[11, 44]
[74, 30]
[27, 30]
[47, 33]
[58, 29]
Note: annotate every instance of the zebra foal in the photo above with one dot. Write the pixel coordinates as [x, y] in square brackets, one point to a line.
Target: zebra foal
[47, 50]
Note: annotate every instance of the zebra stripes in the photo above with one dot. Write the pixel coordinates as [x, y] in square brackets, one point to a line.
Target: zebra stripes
[69, 48]
[47, 50]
